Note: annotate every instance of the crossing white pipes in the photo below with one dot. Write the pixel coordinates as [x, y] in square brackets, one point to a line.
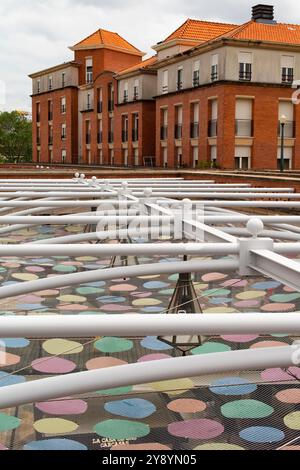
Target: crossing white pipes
[143, 373]
[76, 326]
[116, 273]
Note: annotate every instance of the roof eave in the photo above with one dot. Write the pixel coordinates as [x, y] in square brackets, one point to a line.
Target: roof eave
[104, 46]
[54, 69]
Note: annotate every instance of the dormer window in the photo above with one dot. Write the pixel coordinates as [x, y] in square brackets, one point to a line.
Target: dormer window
[179, 78]
[38, 86]
[125, 97]
[50, 83]
[136, 90]
[196, 74]
[287, 69]
[245, 66]
[165, 85]
[214, 67]
[89, 71]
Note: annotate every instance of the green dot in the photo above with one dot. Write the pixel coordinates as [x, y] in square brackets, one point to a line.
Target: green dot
[7, 423]
[115, 391]
[247, 409]
[89, 290]
[216, 293]
[121, 429]
[211, 347]
[113, 345]
[285, 297]
[61, 268]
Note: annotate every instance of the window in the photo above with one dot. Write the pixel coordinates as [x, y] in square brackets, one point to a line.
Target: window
[213, 156]
[195, 153]
[286, 108]
[179, 78]
[165, 85]
[50, 83]
[100, 156]
[63, 156]
[245, 66]
[165, 156]
[213, 123]
[164, 126]
[287, 157]
[179, 158]
[242, 158]
[112, 157]
[38, 86]
[50, 110]
[100, 101]
[196, 74]
[87, 132]
[88, 102]
[111, 97]
[38, 156]
[89, 70]
[100, 132]
[38, 136]
[125, 157]
[135, 127]
[195, 121]
[63, 105]
[63, 131]
[63, 79]
[136, 89]
[38, 112]
[178, 125]
[214, 67]
[125, 97]
[287, 69]
[125, 124]
[50, 135]
[50, 156]
[243, 117]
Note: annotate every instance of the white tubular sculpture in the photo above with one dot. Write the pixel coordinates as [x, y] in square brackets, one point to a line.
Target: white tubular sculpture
[143, 373]
[76, 326]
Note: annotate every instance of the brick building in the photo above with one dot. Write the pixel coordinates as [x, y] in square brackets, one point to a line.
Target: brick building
[213, 94]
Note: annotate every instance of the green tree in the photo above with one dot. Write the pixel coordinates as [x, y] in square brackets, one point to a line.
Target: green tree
[15, 137]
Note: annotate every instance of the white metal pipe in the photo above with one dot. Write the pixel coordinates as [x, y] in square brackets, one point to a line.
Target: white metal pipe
[143, 373]
[78, 219]
[116, 273]
[76, 326]
[120, 249]
[287, 248]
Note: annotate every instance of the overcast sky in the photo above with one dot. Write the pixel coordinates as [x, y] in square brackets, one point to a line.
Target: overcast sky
[35, 34]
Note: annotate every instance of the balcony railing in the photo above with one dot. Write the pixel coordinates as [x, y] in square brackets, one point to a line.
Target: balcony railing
[88, 139]
[111, 105]
[287, 78]
[165, 89]
[245, 75]
[135, 96]
[179, 86]
[178, 131]
[63, 109]
[124, 136]
[244, 128]
[213, 128]
[99, 137]
[194, 130]
[196, 81]
[163, 132]
[99, 107]
[63, 136]
[135, 135]
[125, 98]
[289, 130]
[214, 76]
[110, 137]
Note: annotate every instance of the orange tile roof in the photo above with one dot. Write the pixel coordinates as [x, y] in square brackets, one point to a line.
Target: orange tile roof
[141, 65]
[200, 31]
[103, 37]
[279, 32]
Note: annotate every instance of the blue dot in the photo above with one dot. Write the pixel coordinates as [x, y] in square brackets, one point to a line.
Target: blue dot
[220, 300]
[55, 444]
[135, 408]
[15, 342]
[111, 299]
[232, 386]
[262, 434]
[155, 285]
[153, 309]
[151, 342]
[266, 285]
[7, 379]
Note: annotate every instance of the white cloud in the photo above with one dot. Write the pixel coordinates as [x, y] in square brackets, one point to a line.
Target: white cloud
[36, 34]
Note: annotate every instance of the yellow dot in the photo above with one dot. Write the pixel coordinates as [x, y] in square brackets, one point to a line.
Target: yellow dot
[71, 298]
[292, 420]
[62, 346]
[25, 276]
[55, 426]
[173, 387]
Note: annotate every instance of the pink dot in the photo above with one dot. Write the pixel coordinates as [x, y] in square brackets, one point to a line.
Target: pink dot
[196, 429]
[240, 338]
[276, 375]
[53, 365]
[63, 407]
[154, 357]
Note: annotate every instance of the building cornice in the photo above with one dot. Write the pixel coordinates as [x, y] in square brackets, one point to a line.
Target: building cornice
[55, 68]
[49, 92]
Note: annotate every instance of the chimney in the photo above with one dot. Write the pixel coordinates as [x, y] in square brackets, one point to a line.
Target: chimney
[263, 14]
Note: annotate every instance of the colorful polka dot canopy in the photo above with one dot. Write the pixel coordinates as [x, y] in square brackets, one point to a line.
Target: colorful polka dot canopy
[248, 410]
